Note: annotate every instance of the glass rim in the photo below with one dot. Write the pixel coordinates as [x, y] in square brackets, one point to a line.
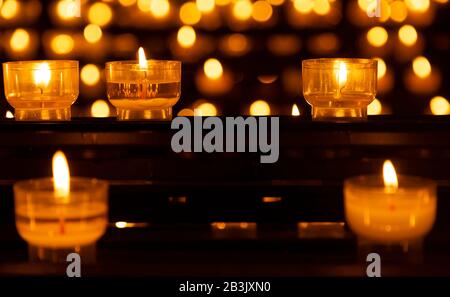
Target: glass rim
[151, 63]
[332, 63]
[39, 185]
[19, 65]
[375, 182]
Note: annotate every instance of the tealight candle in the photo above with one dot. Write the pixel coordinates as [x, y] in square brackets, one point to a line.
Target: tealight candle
[339, 88]
[143, 89]
[390, 210]
[61, 215]
[41, 90]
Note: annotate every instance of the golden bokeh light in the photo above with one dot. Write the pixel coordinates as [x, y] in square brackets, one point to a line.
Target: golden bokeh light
[381, 68]
[439, 106]
[303, 6]
[262, 11]
[374, 107]
[159, 8]
[100, 14]
[20, 39]
[237, 43]
[260, 108]
[213, 68]
[377, 36]
[186, 36]
[66, 9]
[205, 109]
[205, 5]
[242, 10]
[62, 44]
[144, 5]
[90, 74]
[418, 5]
[9, 9]
[321, 7]
[276, 2]
[189, 13]
[127, 3]
[92, 33]
[223, 2]
[399, 12]
[100, 109]
[421, 67]
[186, 112]
[407, 35]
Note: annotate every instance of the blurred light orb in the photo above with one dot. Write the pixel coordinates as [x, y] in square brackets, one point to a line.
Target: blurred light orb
[205, 5]
[381, 68]
[237, 43]
[186, 112]
[303, 6]
[321, 7]
[213, 68]
[92, 33]
[439, 106]
[421, 67]
[276, 2]
[189, 13]
[399, 12]
[62, 44]
[159, 8]
[90, 74]
[242, 10]
[66, 9]
[100, 14]
[144, 5]
[295, 111]
[377, 36]
[223, 2]
[9, 115]
[9, 9]
[262, 11]
[100, 109]
[407, 35]
[127, 3]
[205, 109]
[374, 107]
[186, 36]
[20, 39]
[260, 108]
[418, 5]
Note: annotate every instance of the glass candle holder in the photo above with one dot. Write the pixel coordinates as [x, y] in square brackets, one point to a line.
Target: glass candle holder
[339, 88]
[41, 90]
[56, 226]
[143, 93]
[382, 217]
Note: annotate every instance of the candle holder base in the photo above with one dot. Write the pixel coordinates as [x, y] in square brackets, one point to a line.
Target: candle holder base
[59, 114]
[144, 114]
[59, 255]
[338, 114]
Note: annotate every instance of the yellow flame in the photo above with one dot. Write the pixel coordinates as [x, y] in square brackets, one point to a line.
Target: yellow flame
[9, 115]
[342, 77]
[61, 175]
[42, 75]
[389, 176]
[142, 59]
[295, 110]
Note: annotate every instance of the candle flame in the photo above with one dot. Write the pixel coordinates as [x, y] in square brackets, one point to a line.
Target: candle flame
[61, 175]
[142, 59]
[295, 110]
[342, 76]
[42, 75]
[390, 176]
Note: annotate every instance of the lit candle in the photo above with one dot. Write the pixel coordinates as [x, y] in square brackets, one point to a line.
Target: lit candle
[339, 88]
[143, 89]
[41, 90]
[390, 210]
[60, 215]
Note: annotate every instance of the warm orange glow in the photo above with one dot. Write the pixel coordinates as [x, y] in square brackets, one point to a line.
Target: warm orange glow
[374, 108]
[303, 6]
[377, 36]
[100, 14]
[159, 8]
[42, 75]
[9, 9]
[62, 44]
[92, 33]
[127, 3]
[90, 74]
[342, 75]
[439, 106]
[381, 68]
[262, 11]
[295, 110]
[142, 59]
[389, 176]
[100, 109]
[276, 2]
[189, 13]
[67, 9]
[144, 5]
[213, 68]
[20, 40]
[205, 5]
[205, 110]
[260, 108]
[421, 67]
[61, 175]
[399, 12]
[321, 7]
[407, 35]
[9, 115]
[242, 10]
[418, 5]
[186, 36]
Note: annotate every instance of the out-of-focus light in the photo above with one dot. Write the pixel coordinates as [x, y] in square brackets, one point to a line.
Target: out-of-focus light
[186, 36]
[189, 13]
[66, 9]
[100, 109]
[92, 33]
[242, 10]
[186, 112]
[441, 1]
[321, 7]
[260, 108]
[205, 5]
[418, 5]
[295, 111]
[377, 36]
[121, 225]
[262, 11]
[9, 9]
[62, 44]
[213, 68]
[399, 12]
[276, 2]
[421, 67]
[223, 2]
[159, 8]
[205, 109]
[20, 40]
[439, 106]
[144, 5]
[127, 3]
[381, 68]
[237, 43]
[374, 107]
[267, 79]
[9, 115]
[303, 6]
[100, 14]
[90, 74]
[407, 35]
